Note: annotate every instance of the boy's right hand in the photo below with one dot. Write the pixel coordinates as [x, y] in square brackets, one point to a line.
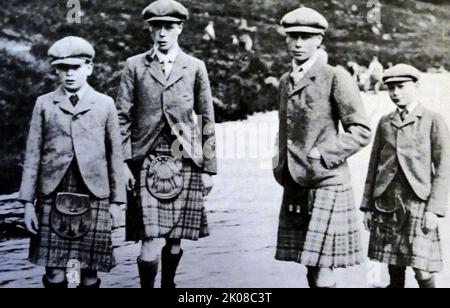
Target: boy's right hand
[31, 221]
[129, 178]
[368, 221]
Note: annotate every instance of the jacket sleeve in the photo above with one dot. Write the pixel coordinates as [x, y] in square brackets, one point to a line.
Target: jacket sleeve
[114, 156]
[349, 108]
[440, 151]
[124, 103]
[32, 160]
[368, 200]
[205, 109]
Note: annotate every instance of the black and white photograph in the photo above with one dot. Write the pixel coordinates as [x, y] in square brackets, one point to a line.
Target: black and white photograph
[211, 144]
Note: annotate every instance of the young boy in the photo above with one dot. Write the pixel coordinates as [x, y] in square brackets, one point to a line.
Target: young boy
[407, 183]
[159, 93]
[318, 220]
[73, 169]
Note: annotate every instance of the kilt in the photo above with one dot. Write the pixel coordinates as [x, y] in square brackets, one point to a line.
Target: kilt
[94, 251]
[326, 233]
[409, 246]
[183, 217]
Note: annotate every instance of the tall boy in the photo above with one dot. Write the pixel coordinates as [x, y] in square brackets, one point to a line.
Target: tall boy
[159, 93]
[318, 220]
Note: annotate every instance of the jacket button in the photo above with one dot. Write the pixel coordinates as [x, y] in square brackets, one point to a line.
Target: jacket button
[290, 142]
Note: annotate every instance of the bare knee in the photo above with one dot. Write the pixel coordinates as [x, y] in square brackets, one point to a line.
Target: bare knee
[325, 278]
[89, 277]
[174, 246]
[422, 275]
[149, 250]
[55, 275]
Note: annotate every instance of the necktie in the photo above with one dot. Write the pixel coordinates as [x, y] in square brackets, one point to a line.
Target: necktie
[404, 114]
[297, 76]
[165, 68]
[74, 99]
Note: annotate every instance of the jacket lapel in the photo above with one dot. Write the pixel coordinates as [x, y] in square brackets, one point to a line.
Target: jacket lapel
[396, 121]
[178, 69]
[410, 119]
[63, 101]
[155, 68]
[307, 80]
[85, 104]
[417, 113]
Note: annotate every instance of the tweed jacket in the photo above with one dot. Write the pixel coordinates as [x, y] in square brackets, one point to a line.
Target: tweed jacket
[310, 115]
[60, 133]
[420, 148]
[147, 101]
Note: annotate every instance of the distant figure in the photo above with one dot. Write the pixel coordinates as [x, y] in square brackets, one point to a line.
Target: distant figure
[210, 33]
[244, 26]
[272, 81]
[246, 42]
[375, 73]
[353, 69]
[442, 69]
[364, 79]
[376, 30]
[235, 40]
[245, 39]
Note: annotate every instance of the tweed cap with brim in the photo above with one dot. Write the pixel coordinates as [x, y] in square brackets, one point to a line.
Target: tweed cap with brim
[165, 11]
[401, 73]
[305, 20]
[71, 50]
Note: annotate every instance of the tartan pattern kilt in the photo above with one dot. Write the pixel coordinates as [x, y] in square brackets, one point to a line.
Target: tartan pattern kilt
[183, 217]
[94, 251]
[410, 246]
[327, 234]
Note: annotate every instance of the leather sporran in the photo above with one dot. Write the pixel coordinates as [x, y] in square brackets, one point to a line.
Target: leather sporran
[389, 217]
[71, 216]
[298, 204]
[165, 177]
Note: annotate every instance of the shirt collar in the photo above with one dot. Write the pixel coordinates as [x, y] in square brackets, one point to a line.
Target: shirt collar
[80, 93]
[410, 108]
[305, 67]
[169, 57]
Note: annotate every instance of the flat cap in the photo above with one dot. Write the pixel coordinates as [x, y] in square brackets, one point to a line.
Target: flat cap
[401, 73]
[304, 20]
[71, 50]
[165, 10]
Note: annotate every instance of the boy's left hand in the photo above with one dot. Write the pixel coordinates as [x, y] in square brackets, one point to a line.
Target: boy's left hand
[208, 183]
[116, 212]
[430, 222]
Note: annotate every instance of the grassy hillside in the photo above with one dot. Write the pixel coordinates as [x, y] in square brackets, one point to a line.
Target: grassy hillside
[413, 31]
